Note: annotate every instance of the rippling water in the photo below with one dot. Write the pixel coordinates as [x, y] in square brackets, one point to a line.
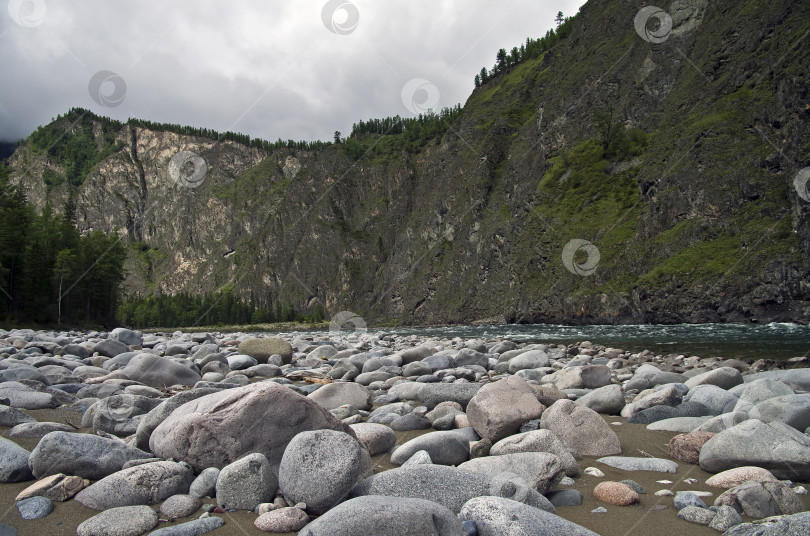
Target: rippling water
[743, 341]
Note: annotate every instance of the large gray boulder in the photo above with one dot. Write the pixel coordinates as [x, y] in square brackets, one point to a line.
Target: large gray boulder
[158, 414]
[110, 348]
[376, 515]
[751, 394]
[246, 483]
[450, 447]
[793, 410]
[761, 498]
[149, 483]
[11, 417]
[85, 455]
[13, 462]
[23, 372]
[541, 470]
[159, 372]
[320, 467]
[795, 525]
[261, 349]
[775, 446]
[608, 399]
[435, 393]
[497, 516]
[716, 399]
[449, 486]
[122, 521]
[220, 428]
[334, 395]
[723, 377]
[581, 429]
[529, 360]
[796, 379]
[24, 397]
[498, 409]
[537, 441]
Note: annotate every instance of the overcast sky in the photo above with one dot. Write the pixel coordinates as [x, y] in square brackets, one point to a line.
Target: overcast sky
[296, 69]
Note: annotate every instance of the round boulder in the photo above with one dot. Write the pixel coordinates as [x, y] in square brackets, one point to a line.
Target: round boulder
[220, 428]
[320, 467]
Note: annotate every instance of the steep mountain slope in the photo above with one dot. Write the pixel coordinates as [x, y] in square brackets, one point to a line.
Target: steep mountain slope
[687, 213]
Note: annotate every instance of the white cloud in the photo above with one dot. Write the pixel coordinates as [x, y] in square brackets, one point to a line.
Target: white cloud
[266, 68]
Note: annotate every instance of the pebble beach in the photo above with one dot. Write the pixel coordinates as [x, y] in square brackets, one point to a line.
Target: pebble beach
[334, 433]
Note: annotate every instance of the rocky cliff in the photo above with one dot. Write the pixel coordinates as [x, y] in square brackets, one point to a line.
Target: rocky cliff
[520, 211]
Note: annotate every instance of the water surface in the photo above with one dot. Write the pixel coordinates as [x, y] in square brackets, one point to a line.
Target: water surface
[742, 341]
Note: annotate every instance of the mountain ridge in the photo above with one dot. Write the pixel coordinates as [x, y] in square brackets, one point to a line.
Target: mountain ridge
[689, 203]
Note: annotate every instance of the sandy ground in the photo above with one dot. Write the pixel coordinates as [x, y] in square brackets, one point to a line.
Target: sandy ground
[641, 519]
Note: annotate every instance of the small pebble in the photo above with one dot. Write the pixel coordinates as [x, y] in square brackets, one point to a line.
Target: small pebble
[593, 471]
[600, 510]
[664, 481]
[664, 493]
[800, 490]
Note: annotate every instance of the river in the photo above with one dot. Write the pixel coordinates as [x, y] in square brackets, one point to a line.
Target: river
[743, 341]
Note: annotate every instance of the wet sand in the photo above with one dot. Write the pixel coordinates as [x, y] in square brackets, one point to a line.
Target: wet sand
[639, 520]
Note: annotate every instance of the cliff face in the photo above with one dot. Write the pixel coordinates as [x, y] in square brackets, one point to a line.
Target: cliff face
[698, 220]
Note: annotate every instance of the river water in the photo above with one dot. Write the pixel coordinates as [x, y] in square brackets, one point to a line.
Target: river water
[742, 341]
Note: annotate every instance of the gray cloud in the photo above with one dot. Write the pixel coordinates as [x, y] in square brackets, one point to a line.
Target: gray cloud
[265, 68]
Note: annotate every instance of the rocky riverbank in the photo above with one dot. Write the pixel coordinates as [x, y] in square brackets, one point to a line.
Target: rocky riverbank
[363, 433]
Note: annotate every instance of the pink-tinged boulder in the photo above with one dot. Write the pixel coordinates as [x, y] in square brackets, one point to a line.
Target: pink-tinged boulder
[615, 493]
[220, 428]
[686, 447]
[735, 477]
